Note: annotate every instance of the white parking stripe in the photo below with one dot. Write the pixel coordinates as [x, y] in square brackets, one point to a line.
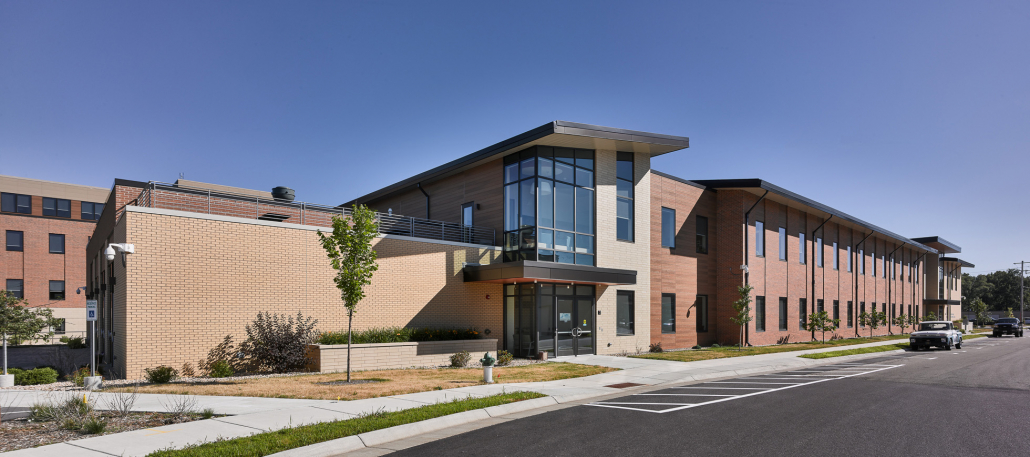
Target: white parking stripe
[748, 382]
[726, 388]
[639, 403]
[687, 395]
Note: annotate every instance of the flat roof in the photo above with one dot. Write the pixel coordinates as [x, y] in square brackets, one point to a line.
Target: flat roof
[959, 261]
[781, 195]
[940, 244]
[53, 189]
[556, 133]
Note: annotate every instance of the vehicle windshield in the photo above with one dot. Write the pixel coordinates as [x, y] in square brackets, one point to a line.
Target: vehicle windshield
[934, 326]
[1007, 320]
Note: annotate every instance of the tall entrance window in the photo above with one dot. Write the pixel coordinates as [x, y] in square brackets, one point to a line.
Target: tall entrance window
[549, 205]
[554, 318]
[624, 196]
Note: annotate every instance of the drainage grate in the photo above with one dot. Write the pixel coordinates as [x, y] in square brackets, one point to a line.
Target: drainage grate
[624, 385]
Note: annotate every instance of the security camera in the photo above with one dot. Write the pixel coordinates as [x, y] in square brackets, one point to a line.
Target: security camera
[114, 248]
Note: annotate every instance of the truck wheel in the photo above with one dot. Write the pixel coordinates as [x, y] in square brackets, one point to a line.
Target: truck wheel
[947, 346]
[958, 345]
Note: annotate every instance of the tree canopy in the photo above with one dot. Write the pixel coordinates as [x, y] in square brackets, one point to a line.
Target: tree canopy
[998, 289]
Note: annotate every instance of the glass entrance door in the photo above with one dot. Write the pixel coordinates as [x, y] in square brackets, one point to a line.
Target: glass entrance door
[575, 332]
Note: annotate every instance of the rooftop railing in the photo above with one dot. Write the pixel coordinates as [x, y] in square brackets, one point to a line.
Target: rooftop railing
[207, 201]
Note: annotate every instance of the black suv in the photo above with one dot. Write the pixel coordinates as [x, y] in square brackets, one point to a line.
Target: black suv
[1007, 326]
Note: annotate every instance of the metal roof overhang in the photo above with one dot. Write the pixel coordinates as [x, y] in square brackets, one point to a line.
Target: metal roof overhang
[530, 271]
[791, 199]
[940, 244]
[928, 301]
[959, 261]
[557, 133]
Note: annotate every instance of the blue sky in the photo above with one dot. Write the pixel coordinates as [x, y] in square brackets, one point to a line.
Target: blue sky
[911, 115]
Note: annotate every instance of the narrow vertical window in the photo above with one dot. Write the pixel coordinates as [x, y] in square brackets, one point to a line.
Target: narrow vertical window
[783, 243]
[836, 256]
[873, 262]
[668, 313]
[801, 248]
[883, 263]
[836, 310]
[802, 313]
[783, 314]
[819, 306]
[624, 196]
[668, 227]
[819, 252]
[759, 313]
[861, 261]
[851, 314]
[759, 238]
[624, 313]
[701, 311]
[702, 235]
[861, 311]
[850, 259]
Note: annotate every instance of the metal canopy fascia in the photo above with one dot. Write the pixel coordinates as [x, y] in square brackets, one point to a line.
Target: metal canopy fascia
[784, 196]
[529, 270]
[556, 133]
[942, 245]
[959, 261]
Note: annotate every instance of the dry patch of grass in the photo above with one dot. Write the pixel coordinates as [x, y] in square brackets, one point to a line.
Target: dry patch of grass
[732, 351]
[390, 382]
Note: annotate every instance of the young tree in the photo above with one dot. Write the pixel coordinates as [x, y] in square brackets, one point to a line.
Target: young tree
[930, 316]
[913, 320]
[901, 320]
[22, 323]
[873, 320]
[821, 322]
[980, 308]
[1009, 313]
[743, 308]
[350, 252]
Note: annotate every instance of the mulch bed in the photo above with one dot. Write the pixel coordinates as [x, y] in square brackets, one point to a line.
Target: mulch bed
[23, 433]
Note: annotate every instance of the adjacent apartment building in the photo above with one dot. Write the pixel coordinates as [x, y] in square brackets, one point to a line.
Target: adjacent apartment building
[46, 226]
[560, 240]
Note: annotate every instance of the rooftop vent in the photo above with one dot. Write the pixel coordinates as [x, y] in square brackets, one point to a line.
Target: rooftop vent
[282, 193]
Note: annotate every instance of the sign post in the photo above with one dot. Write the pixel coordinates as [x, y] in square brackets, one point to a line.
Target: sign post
[91, 317]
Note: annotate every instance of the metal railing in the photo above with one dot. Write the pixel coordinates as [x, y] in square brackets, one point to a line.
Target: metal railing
[206, 201]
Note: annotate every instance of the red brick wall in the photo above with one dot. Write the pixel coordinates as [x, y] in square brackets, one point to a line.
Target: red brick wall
[36, 266]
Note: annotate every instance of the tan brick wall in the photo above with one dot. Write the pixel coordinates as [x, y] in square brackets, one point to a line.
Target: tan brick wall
[194, 279]
[333, 358]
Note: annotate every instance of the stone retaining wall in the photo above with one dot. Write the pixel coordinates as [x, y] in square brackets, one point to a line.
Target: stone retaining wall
[332, 358]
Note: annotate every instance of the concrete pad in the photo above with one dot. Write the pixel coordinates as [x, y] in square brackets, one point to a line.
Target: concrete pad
[326, 449]
[283, 418]
[369, 405]
[377, 437]
[60, 449]
[143, 442]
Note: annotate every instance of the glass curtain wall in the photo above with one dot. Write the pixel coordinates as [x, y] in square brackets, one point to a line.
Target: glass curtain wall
[549, 205]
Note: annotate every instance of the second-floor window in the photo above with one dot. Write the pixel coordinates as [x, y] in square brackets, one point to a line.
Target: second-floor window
[15, 240]
[92, 211]
[702, 235]
[15, 203]
[57, 207]
[759, 238]
[668, 227]
[819, 252]
[783, 243]
[56, 243]
[624, 196]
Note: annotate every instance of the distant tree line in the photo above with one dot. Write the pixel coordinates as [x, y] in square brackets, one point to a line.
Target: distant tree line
[999, 290]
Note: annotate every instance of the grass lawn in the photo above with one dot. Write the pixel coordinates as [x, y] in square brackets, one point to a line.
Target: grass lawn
[392, 382]
[870, 350]
[290, 438]
[732, 351]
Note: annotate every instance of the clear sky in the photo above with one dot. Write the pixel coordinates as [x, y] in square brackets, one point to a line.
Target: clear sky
[914, 116]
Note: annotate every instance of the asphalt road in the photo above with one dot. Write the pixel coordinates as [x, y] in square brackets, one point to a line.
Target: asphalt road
[973, 401]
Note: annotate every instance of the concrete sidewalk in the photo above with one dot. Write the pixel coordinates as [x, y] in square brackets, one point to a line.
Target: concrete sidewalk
[250, 415]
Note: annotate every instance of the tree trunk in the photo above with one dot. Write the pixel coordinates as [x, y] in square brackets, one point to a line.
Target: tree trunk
[5, 354]
[350, 317]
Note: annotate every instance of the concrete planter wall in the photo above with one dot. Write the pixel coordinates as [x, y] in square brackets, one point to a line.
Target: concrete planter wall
[330, 358]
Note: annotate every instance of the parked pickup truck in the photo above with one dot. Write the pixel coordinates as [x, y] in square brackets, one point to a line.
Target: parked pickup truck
[1007, 326]
[940, 334]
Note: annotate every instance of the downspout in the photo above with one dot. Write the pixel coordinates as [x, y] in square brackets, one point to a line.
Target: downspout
[894, 276]
[747, 271]
[812, 297]
[854, 273]
[419, 185]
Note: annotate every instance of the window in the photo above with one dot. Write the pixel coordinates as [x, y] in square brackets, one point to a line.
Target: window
[701, 312]
[57, 290]
[92, 211]
[836, 256]
[759, 313]
[917, 273]
[894, 270]
[909, 272]
[783, 314]
[16, 287]
[759, 239]
[466, 214]
[801, 248]
[873, 257]
[548, 205]
[624, 196]
[861, 311]
[850, 259]
[883, 263]
[668, 228]
[819, 252]
[851, 314]
[56, 243]
[58, 326]
[819, 306]
[861, 261]
[702, 235]
[802, 313]
[624, 312]
[836, 310]
[15, 240]
[893, 306]
[15, 203]
[668, 313]
[783, 243]
[57, 207]
[883, 308]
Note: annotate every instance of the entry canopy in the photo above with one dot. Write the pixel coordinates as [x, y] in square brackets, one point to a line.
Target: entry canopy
[959, 261]
[940, 244]
[529, 271]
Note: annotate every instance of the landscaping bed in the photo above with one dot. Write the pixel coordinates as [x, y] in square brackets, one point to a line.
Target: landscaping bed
[388, 382]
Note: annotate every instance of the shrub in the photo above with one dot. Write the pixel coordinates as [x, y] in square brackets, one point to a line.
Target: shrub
[94, 425]
[460, 359]
[79, 376]
[279, 343]
[399, 335]
[228, 354]
[75, 342]
[187, 371]
[504, 358]
[655, 347]
[207, 413]
[221, 369]
[34, 377]
[716, 345]
[696, 347]
[162, 374]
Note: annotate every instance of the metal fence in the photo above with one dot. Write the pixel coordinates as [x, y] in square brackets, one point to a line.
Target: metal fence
[206, 201]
